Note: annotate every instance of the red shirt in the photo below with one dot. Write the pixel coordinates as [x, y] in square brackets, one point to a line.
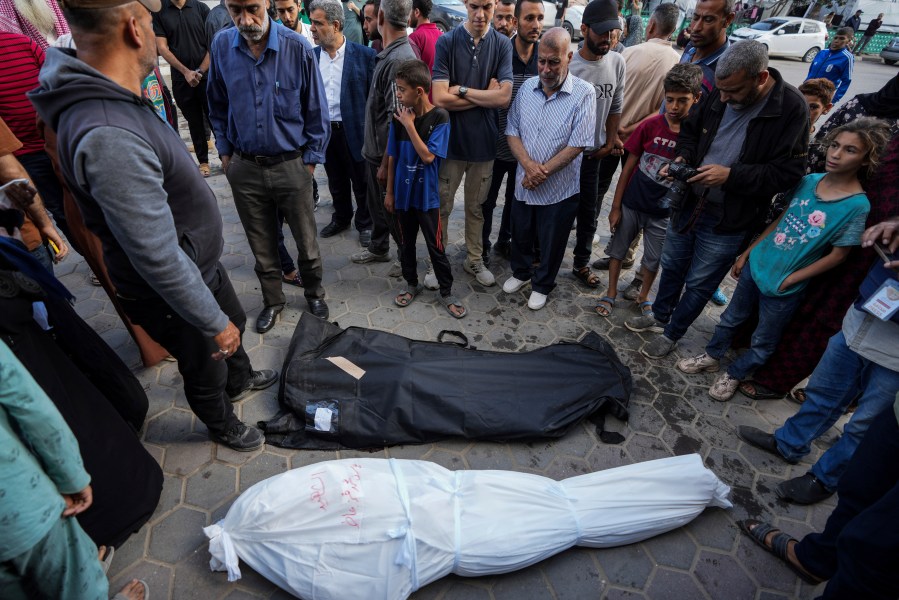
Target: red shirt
[425, 39]
[22, 61]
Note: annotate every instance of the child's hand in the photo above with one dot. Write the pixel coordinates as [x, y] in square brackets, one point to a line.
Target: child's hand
[738, 265]
[406, 116]
[614, 218]
[388, 203]
[787, 283]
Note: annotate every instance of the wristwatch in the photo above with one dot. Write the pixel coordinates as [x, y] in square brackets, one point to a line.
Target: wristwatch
[462, 91]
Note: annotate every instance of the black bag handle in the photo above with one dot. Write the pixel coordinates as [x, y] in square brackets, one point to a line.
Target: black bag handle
[463, 344]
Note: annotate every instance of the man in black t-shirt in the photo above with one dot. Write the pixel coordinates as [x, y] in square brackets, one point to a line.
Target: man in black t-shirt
[180, 28]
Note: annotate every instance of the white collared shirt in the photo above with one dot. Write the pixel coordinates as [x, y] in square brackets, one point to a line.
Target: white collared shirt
[332, 73]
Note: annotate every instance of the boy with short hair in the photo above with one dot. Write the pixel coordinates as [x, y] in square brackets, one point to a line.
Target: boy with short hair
[638, 197]
[416, 145]
[819, 96]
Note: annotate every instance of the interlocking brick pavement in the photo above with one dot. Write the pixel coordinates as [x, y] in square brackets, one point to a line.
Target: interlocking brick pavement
[671, 414]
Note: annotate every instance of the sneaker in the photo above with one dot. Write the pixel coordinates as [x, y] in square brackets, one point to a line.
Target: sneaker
[644, 323]
[719, 298]
[698, 364]
[365, 238]
[259, 380]
[512, 285]
[367, 257]
[396, 270]
[481, 273]
[430, 280]
[536, 301]
[660, 347]
[632, 291]
[724, 388]
[241, 437]
[595, 239]
[602, 264]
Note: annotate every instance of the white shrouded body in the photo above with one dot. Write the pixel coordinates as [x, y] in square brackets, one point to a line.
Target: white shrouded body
[380, 529]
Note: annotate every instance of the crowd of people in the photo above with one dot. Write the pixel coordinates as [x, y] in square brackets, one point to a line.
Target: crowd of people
[722, 171]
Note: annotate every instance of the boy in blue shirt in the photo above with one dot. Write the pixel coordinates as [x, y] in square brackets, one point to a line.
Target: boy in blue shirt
[835, 63]
[416, 145]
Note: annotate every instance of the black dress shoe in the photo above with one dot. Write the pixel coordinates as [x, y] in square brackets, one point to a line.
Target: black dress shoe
[268, 316]
[763, 441]
[803, 490]
[318, 308]
[333, 228]
[259, 380]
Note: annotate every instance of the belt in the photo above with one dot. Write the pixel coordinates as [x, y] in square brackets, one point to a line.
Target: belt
[336, 124]
[269, 161]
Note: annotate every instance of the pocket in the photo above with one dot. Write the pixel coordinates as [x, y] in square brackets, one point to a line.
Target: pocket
[188, 247]
[287, 104]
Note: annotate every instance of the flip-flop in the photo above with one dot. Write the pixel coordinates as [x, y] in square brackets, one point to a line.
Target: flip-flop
[121, 596]
[106, 561]
[450, 301]
[759, 392]
[603, 311]
[758, 531]
[412, 294]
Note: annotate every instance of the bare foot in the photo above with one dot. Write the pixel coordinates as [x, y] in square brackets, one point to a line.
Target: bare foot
[133, 591]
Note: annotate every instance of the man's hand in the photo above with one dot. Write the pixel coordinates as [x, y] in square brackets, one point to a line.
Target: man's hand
[389, 203]
[22, 194]
[78, 502]
[406, 117]
[615, 145]
[614, 218]
[535, 172]
[50, 234]
[663, 172]
[226, 162]
[709, 175]
[738, 265]
[454, 90]
[493, 85]
[381, 175]
[887, 234]
[228, 342]
[193, 78]
[311, 169]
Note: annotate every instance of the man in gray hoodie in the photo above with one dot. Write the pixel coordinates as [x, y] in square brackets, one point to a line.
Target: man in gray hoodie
[140, 193]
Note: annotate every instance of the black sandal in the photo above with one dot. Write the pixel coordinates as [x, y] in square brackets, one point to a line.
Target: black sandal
[758, 531]
[759, 392]
[586, 276]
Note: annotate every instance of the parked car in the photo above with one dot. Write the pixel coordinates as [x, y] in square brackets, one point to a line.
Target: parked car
[890, 52]
[448, 14]
[573, 16]
[786, 36]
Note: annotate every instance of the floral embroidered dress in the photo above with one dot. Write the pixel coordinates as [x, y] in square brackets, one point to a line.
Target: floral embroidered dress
[809, 227]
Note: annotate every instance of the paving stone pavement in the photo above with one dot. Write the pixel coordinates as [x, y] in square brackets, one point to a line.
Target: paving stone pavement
[671, 414]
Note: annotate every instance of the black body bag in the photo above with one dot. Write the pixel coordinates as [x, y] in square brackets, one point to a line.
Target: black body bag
[361, 388]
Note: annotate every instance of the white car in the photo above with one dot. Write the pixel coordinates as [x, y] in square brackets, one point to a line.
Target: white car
[786, 36]
[573, 16]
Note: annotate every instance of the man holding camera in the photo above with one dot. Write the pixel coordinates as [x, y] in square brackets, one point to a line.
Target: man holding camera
[747, 141]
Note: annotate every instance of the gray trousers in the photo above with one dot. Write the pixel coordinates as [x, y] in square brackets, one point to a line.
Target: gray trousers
[258, 193]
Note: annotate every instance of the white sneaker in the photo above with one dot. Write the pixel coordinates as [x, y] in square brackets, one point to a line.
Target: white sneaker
[724, 388]
[698, 364]
[512, 285]
[595, 239]
[536, 301]
[431, 279]
[481, 273]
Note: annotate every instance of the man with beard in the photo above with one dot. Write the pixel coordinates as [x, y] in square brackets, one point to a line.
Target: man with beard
[528, 18]
[749, 140]
[424, 38]
[158, 221]
[269, 112]
[551, 122]
[708, 37]
[290, 14]
[595, 63]
[504, 18]
[472, 79]
[346, 69]
[180, 28]
[370, 25]
[40, 20]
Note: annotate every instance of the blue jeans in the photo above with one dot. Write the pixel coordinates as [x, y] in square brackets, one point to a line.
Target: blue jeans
[698, 259]
[840, 376]
[775, 313]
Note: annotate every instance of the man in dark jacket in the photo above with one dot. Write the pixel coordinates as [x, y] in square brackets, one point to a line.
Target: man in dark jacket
[141, 194]
[748, 140]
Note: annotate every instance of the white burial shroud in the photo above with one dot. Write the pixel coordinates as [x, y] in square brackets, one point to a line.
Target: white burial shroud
[380, 529]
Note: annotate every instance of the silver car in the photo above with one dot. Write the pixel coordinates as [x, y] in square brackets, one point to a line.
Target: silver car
[890, 52]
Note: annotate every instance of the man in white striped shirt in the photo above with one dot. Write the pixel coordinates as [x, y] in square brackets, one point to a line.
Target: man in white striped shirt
[550, 123]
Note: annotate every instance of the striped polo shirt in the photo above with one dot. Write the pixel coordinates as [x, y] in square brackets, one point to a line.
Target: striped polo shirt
[546, 126]
[22, 60]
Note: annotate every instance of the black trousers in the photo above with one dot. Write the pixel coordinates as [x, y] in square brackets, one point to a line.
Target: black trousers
[858, 551]
[207, 382]
[501, 170]
[547, 226]
[194, 108]
[383, 223]
[345, 178]
[596, 177]
[428, 222]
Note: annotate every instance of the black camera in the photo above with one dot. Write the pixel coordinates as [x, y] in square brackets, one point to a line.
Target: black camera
[677, 191]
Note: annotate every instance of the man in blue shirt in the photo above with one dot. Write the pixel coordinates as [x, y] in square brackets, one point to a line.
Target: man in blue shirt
[835, 63]
[268, 108]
